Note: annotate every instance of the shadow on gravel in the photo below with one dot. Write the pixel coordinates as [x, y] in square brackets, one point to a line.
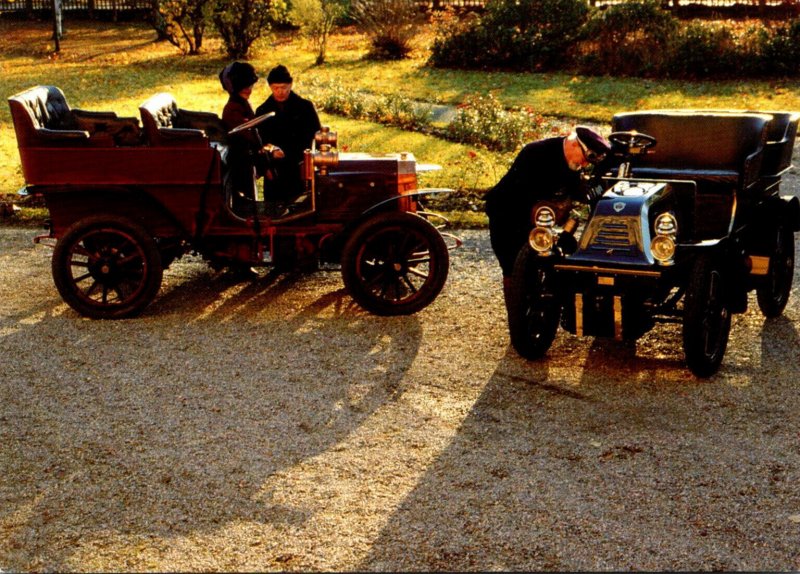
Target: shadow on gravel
[168, 426]
[612, 462]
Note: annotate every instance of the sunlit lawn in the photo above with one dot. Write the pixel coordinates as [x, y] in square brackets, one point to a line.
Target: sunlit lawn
[104, 66]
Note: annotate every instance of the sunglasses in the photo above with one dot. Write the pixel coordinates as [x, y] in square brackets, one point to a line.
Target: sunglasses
[591, 156]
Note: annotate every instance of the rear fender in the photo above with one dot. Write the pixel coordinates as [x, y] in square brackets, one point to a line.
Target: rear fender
[790, 210]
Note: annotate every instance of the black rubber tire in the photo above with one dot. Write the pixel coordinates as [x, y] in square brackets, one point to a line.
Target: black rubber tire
[107, 267]
[706, 318]
[534, 310]
[774, 294]
[395, 263]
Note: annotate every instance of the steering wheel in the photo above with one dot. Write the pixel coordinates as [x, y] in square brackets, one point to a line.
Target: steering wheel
[632, 140]
[251, 123]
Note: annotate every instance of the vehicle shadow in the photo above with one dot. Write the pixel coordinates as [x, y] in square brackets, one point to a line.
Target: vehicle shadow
[598, 458]
[170, 425]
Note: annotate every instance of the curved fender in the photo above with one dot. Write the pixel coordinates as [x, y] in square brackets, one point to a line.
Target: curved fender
[418, 193]
[791, 211]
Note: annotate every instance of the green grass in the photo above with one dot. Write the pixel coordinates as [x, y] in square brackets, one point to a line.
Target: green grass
[104, 66]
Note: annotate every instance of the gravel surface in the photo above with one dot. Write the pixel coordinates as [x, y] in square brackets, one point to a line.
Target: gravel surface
[272, 425]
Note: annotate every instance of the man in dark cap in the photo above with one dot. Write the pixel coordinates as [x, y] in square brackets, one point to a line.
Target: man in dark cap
[287, 135]
[550, 168]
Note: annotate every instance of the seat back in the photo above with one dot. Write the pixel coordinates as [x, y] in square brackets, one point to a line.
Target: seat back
[697, 140]
[780, 143]
[42, 117]
[160, 121]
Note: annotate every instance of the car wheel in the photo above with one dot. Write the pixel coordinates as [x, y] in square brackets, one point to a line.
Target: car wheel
[773, 295]
[706, 318]
[534, 310]
[395, 263]
[107, 267]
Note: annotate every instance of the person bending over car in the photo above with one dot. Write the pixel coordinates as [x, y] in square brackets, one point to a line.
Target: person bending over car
[545, 169]
[247, 157]
[287, 135]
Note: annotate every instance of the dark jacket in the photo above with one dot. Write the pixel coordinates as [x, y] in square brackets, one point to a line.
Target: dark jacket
[244, 148]
[539, 171]
[293, 127]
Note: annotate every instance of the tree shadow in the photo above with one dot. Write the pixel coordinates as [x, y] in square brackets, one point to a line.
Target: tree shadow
[170, 425]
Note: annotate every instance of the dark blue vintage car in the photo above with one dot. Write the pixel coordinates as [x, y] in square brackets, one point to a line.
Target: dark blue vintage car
[687, 223]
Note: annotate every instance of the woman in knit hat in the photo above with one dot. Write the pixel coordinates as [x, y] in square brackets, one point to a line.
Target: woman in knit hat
[247, 157]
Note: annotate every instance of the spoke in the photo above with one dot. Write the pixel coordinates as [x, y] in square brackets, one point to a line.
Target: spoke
[417, 272]
[408, 282]
[377, 277]
[130, 258]
[92, 288]
[78, 263]
[81, 250]
[82, 277]
[418, 261]
[105, 294]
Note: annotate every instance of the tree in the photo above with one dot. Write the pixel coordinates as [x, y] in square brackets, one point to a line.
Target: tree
[390, 25]
[184, 22]
[242, 22]
[317, 19]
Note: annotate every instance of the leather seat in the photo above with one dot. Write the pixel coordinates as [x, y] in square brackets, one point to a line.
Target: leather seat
[42, 118]
[165, 124]
[722, 152]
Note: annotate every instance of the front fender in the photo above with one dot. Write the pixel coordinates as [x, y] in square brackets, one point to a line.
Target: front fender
[419, 193]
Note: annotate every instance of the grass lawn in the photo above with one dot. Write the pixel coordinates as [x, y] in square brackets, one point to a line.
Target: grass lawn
[104, 66]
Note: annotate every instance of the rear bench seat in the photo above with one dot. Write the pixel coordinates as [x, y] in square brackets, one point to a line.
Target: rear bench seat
[42, 118]
[165, 124]
[720, 151]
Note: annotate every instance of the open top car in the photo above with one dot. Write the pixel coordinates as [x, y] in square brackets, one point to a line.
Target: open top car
[128, 197]
[686, 222]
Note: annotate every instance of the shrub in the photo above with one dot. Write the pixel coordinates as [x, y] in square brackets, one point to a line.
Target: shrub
[242, 22]
[183, 23]
[317, 19]
[781, 50]
[515, 34]
[632, 38]
[700, 50]
[483, 120]
[390, 25]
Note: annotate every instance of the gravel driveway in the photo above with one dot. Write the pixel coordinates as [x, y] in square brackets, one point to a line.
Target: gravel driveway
[274, 426]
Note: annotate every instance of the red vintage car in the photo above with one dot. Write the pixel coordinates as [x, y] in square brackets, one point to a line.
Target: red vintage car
[128, 196]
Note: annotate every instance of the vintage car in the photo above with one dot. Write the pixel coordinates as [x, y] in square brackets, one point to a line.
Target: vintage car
[686, 222]
[128, 197]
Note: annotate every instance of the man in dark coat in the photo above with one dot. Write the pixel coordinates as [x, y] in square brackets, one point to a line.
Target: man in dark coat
[545, 169]
[287, 135]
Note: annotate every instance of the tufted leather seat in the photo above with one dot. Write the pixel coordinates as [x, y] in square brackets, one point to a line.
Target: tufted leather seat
[722, 152]
[42, 118]
[165, 124]
[780, 143]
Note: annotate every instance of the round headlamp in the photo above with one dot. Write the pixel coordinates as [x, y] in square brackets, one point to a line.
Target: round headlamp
[544, 216]
[541, 239]
[666, 224]
[663, 249]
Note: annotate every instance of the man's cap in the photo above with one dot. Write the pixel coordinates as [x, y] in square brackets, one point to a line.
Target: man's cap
[279, 75]
[596, 146]
[237, 76]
